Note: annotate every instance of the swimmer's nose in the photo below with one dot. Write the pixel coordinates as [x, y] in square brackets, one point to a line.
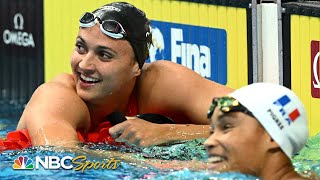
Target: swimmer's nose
[87, 62]
[211, 142]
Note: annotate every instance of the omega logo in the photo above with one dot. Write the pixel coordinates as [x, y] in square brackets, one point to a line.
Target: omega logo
[18, 37]
[18, 21]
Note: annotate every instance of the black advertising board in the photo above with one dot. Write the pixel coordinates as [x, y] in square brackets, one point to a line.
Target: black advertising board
[21, 49]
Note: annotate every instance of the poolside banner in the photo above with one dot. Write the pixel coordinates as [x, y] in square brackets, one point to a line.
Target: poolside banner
[301, 52]
[21, 48]
[213, 38]
[201, 49]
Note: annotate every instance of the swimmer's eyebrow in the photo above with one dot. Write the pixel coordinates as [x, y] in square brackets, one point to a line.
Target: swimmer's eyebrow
[222, 119]
[79, 38]
[226, 117]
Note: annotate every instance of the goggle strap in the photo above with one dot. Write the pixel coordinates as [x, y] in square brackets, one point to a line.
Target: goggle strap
[231, 107]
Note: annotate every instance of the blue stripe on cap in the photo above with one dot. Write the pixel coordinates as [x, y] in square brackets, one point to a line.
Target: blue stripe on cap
[284, 100]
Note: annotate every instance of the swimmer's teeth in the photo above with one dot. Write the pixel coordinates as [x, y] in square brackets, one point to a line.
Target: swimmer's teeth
[89, 79]
[215, 159]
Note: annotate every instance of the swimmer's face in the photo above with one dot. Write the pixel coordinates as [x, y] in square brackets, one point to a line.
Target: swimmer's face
[102, 67]
[237, 143]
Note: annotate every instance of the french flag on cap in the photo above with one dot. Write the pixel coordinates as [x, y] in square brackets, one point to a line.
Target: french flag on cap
[287, 108]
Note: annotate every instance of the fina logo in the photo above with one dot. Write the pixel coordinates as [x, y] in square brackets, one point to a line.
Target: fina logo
[194, 56]
[202, 49]
[156, 50]
[18, 37]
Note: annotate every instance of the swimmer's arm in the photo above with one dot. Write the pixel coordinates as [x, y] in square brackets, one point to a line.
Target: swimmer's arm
[53, 114]
[135, 131]
[175, 91]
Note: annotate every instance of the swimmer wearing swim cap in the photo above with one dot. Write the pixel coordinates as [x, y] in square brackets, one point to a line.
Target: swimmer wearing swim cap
[256, 130]
[109, 74]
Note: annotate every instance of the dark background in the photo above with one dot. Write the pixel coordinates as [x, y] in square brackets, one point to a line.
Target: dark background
[21, 68]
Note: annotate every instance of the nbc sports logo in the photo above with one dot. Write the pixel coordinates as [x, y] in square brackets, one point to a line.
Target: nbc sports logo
[79, 163]
[287, 109]
[23, 162]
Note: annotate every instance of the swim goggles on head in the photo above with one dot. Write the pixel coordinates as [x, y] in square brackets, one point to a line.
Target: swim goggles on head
[227, 104]
[110, 28]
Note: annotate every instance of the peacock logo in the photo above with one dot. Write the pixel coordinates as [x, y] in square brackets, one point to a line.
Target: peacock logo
[23, 162]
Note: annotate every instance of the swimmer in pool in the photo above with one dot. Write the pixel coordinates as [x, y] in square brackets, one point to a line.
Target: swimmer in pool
[109, 75]
[256, 130]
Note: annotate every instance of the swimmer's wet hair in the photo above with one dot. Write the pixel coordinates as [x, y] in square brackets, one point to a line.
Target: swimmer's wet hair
[134, 22]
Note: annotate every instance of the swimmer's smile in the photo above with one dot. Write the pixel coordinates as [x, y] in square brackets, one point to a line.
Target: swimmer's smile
[216, 161]
[88, 80]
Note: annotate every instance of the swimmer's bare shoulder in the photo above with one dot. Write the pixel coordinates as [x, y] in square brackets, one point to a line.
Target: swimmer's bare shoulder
[165, 86]
[64, 79]
[55, 108]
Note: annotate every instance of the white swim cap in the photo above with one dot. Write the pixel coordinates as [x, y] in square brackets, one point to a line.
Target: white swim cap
[279, 111]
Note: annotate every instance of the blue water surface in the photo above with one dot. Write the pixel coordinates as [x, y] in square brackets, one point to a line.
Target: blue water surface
[135, 162]
[128, 169]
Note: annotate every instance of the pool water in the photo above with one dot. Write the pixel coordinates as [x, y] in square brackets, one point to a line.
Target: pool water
[133, 168]
[159, 162]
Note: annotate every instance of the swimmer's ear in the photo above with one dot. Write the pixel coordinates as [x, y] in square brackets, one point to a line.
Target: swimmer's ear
[136, 70]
